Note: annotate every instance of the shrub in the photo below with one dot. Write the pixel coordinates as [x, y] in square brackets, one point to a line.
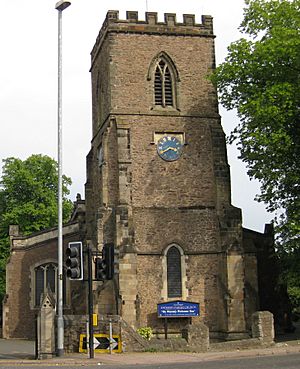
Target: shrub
[145, 332]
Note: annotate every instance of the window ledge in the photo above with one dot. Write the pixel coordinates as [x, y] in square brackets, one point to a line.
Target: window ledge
[168, 110]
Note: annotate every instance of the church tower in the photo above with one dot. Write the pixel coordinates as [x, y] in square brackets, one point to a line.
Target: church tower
[158, 181]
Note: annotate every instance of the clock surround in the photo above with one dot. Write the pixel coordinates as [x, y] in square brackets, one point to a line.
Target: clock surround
[169, 148]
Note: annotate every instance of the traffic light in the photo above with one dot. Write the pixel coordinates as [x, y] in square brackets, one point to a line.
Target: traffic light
[74, 260]
[100, 270]
[105, 267]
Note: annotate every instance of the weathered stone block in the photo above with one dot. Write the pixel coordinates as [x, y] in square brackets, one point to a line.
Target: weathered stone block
[263, 326]
[197, 335]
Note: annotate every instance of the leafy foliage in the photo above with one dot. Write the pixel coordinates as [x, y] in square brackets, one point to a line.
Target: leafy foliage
[28, 198]
[290, 275]
[145, 332]
[260, 78]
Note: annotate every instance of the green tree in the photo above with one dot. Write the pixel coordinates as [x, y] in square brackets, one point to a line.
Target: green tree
[28, 197]
[260, 79]
[290, 277]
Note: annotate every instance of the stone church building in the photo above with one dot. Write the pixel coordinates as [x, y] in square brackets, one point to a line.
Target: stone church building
[157, 186]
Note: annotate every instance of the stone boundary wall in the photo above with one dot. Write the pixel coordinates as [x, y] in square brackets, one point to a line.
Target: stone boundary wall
[250, 343]
[77, 324]
[74, 325]
[195, 337]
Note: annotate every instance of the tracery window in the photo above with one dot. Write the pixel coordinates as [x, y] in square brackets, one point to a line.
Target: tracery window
[45, 278]
[165, 80]
[163, 84]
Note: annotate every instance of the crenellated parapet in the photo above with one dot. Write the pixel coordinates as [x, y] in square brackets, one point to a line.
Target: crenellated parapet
[151, 25]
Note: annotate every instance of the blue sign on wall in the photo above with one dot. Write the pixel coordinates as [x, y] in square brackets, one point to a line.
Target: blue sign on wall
[177, 309]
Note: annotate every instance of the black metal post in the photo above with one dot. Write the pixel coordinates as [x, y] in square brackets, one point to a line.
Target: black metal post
[90, 303]
[166, 328]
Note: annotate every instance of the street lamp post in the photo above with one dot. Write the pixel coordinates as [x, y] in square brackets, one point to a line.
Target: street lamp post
[60, 6]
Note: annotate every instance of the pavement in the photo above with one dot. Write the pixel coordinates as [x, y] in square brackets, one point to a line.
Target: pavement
[22, 353]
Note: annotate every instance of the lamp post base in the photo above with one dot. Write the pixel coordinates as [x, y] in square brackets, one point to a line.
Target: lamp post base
[60, 352]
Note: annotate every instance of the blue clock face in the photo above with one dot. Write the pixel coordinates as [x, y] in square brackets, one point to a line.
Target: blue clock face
[169, 148]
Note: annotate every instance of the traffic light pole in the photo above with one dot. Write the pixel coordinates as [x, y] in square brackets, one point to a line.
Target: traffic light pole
[104, 270]
[90, 303]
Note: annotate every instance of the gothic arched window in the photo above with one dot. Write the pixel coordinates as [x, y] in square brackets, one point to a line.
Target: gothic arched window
[163, 84]
[45, 278]
[164, 74]
[174, 278]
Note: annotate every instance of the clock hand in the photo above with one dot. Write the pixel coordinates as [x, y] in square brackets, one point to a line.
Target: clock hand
[169, 148]
[163, 151]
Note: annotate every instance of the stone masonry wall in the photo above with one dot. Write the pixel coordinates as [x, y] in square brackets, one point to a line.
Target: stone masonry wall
[142, 202]
[20, 312]
[202, 286]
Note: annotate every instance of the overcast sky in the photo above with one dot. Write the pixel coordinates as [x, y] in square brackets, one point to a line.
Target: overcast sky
[28, 77]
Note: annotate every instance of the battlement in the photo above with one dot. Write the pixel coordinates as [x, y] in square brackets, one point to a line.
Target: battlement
[151, 25]
[151, 19]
